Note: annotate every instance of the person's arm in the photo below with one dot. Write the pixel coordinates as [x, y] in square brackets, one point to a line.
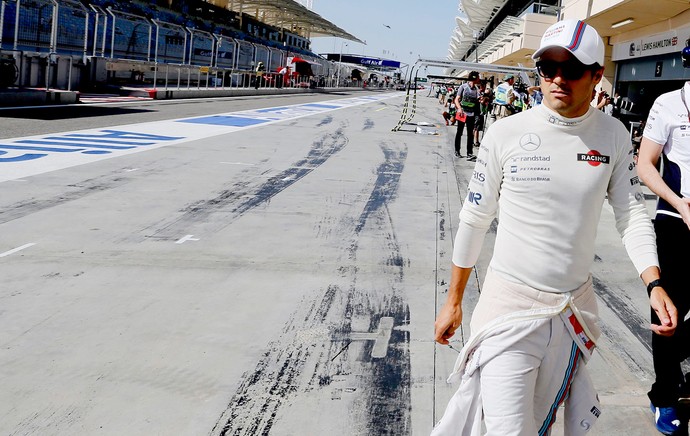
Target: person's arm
[646, 168]
[601, 103]
[449, 317]
[661, 304]
[635, 227]
[478, 212]
[458, 99]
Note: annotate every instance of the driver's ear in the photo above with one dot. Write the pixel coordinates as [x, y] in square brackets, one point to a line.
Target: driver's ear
[598, 75]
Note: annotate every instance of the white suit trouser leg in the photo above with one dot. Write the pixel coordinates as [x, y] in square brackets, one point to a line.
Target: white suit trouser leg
[523, 385]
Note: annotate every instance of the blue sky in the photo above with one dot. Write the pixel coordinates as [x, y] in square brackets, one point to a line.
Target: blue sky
[416, 26]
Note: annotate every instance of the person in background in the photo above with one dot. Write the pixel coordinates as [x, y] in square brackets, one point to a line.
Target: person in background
[449, 113]
[521, 98]
[488, 96]
[259, 79]
[505, 95]
[666, 136]
[443, 92]
[601, 99]
[535, 96]
[545, 174]
[617, 101]
[608, 106]
[636, 139]
[467, 104]
[485, 97]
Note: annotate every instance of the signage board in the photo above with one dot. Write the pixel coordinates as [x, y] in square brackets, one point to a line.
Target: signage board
[658, 44]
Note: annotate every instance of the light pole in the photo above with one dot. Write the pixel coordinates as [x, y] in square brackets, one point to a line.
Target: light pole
[476, 47]
[340, 62]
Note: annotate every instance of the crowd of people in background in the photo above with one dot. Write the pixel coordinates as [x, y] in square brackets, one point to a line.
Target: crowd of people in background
[509, 97]
[473, 104]
[613, 106]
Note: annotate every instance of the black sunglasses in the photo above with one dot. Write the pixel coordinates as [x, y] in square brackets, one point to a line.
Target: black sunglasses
[569, 70]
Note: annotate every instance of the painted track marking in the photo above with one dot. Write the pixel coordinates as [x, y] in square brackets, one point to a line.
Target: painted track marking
[186, 238]
[14, 250]
[28, 156]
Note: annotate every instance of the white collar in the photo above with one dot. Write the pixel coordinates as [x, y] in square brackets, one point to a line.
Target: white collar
[554, 117]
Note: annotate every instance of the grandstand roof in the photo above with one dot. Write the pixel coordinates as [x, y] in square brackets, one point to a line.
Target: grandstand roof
[290, 14]
[478, 13]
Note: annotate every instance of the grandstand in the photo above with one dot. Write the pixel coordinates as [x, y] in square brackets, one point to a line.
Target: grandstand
[71, 44]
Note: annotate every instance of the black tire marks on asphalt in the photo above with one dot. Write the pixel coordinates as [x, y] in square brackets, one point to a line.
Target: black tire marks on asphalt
[625, 311]
[386, 184]
[75, 191]
[318, 355]
[81, 189]
[388, 399]
[255, 405]
[245, 195]
[325, 121]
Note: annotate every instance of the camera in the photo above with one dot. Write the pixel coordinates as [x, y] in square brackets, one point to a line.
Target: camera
[520, 87]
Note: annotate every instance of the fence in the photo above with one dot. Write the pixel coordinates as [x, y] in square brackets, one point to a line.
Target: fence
[46, 25]
[170, 42]
[50, 38]
[185, 76]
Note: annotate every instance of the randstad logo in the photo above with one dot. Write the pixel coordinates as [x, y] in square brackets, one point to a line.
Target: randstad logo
[593, 158]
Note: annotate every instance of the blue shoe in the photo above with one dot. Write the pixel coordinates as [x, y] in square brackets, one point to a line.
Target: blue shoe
[666, 420]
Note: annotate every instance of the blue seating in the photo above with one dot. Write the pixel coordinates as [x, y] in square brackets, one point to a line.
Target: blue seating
[132, 37]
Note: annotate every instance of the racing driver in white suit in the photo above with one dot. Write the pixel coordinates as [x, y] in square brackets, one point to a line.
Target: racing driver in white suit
[546, 173]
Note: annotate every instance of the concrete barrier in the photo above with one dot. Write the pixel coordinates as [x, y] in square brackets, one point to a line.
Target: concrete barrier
[36, 97]
[174, 93]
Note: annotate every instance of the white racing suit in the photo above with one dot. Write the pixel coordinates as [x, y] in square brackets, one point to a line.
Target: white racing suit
[506, 314]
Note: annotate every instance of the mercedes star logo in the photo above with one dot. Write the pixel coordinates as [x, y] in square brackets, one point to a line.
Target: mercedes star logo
[530, 141]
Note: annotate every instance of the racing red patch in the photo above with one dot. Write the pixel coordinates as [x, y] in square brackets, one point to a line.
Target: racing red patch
[594, 158]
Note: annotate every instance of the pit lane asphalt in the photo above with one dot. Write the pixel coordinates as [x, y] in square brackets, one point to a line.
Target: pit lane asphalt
[275, 280]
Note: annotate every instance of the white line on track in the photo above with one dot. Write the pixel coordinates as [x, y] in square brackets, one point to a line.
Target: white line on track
[14, 250]
[186, 238]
